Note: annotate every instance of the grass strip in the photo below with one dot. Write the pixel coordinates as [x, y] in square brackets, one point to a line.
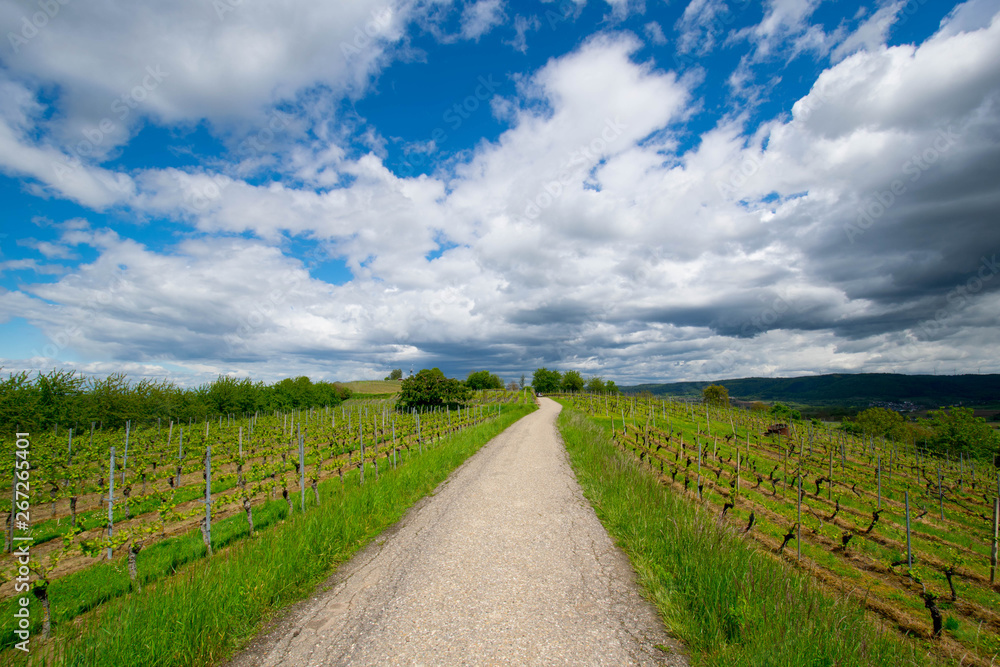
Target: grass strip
[728, 602]
[212, 607]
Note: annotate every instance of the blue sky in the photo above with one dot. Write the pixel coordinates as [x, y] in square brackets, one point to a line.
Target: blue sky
[644, 191]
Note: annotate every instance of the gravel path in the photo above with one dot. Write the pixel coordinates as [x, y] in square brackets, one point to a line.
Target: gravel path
[506, 564]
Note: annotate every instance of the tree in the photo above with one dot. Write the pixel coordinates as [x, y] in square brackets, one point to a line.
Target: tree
[544, 380]
[521, 383]
[483, 380]
[396, 374]
[513, 386]
[611, 387]
[957, 429]
[572, 381]
[430, 388]
[715, 394]
[595, 385]
[878, 422]
[783, 412]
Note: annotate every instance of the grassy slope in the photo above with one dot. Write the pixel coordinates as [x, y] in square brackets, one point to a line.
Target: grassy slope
[731, 604]
[375, 387]
[212, 607]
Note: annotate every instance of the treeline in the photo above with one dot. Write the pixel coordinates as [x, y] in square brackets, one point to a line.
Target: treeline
[66, 399]
[945, 431]
[548, 381]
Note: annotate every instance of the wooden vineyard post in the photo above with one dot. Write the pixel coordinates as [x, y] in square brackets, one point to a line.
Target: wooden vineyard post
[302, 468]
[993, 550]
[420, 443]
[394, 443]
[111, 500]
[940, 493]
[737, 470]
[699, 470]
[207, 535]
[241, 442]
[829, 482]
[798, 525]
[361, 437]
[170, 432]
[879, 474]
[909, 553]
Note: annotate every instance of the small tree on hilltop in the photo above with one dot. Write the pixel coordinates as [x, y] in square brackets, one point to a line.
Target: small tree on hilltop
[430, 388]
[572, 381]
[483, 380]
[544, 380]
[595, 385]
[715, 394]
[396, 374]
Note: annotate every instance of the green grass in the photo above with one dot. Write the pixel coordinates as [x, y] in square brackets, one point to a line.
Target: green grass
[375, 387]
[730, 603]
[210, 607]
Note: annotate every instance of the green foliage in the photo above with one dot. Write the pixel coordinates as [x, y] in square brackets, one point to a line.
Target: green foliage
[782, 412]
[430, 388]
[545, 381]
[69, 400]
[572, 381]
[595, 385]
[956, 429]
[396, 374]
[611, 387]
[483, 380]
[877, 422]
[715, 394]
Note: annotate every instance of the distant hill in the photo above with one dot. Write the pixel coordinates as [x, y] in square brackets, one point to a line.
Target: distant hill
[858, 389]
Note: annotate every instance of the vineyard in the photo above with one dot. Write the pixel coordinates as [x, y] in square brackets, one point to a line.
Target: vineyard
[910, 536]
[109, 512]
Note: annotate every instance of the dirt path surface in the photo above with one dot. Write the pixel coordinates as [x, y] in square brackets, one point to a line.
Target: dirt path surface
[506, 564]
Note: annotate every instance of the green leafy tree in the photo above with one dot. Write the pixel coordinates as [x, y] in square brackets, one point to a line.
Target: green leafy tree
[483, 380]
[611, 387]
[957, 429]
[782, 412]
[572, 381]
[430, 388]
[544, 380]
[715, 394]
[595, 385]
[878, 422]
